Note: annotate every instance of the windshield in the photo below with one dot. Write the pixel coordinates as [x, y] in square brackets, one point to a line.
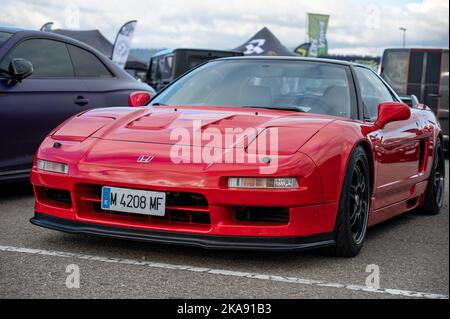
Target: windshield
[4, 36]
[305, 86]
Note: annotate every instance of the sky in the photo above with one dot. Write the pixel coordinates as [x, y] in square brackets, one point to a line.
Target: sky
[356, 26]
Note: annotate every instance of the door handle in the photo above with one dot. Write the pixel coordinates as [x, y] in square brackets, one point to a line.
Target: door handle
[81, 101]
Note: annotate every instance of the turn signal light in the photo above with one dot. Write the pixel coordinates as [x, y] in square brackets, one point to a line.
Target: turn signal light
[52, 167]
[261, 182]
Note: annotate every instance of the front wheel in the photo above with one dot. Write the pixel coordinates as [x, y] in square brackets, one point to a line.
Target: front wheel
[353, 211]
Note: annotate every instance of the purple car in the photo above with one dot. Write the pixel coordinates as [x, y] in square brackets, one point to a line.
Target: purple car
[44, 79]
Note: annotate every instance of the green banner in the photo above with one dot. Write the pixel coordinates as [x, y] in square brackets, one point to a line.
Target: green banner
[317, 33]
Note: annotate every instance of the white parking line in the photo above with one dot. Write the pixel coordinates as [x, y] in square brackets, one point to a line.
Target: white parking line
[222, 272]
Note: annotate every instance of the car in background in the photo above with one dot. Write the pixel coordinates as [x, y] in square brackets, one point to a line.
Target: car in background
[46, 78]
[167, 65]
[423, 73]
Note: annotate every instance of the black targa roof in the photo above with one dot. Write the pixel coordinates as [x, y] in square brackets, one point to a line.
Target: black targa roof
[264, 42]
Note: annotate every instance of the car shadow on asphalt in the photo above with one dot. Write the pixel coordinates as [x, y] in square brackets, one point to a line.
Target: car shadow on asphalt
[16, 189]
[142, 250]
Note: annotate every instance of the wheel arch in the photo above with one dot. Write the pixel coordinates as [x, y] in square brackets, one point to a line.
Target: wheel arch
[368, 150]
[331, 149]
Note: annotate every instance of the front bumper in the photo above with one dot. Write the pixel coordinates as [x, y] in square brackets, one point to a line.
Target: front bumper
[274, 214]
[196, 240]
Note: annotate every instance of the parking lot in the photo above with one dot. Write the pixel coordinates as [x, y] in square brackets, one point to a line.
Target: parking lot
[411, 251]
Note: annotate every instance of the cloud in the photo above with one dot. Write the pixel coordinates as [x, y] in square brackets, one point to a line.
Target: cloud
[355, 26]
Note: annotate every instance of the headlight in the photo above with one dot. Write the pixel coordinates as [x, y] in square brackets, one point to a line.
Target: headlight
[262, 182]
[52, 167]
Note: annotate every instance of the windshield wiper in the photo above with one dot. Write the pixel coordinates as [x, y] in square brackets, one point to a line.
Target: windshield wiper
[285, 108]
[159, 104]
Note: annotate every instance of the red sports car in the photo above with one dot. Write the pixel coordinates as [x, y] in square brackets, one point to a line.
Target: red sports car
[245, 153]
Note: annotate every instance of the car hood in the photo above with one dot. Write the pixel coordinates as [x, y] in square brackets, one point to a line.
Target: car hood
[196, 126]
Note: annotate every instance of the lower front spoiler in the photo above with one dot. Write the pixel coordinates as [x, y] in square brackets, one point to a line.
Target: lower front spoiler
[203, 241]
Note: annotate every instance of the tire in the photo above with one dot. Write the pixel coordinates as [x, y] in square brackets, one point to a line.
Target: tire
[353, 211]
[435, 193]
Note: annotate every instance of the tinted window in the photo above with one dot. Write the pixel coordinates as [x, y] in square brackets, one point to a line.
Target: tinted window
[443, 101]
[309, 86]
[168, 67]
[87, 65]
[164, 67]
[4, 36]
[395, 69]
[151, 75]
[195, 60]
[373, 92]
[50, 58]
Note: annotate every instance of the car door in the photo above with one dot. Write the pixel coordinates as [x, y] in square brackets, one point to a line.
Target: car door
[104, 88]
[397, 145]
[30, 109]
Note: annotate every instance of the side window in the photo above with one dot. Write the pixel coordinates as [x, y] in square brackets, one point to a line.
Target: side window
[165, 65]
[373, 92]
[159, 67]
[50, 58]
[395, 69]
[153, 67]
[168, 67]
[86, 64]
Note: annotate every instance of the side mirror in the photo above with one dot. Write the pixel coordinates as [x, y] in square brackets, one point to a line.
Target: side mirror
[390, 112]
[139, 98]
[19, 69]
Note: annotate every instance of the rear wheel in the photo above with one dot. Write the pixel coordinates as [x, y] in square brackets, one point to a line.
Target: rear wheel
[353, 212]
[434, 198]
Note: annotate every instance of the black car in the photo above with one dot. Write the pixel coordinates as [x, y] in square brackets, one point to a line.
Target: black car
[422, 72]
[44, 79]
[167, 65]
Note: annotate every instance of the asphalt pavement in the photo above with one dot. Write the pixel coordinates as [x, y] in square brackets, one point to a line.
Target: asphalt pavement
[410, 253]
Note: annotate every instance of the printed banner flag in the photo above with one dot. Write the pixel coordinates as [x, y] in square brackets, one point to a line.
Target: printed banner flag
[303, 49]
[47, 27]
[121, 48]
[317, 33]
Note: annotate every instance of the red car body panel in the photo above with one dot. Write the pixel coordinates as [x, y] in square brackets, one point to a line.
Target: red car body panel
[104, 147]
[113, 139]
[401, 157]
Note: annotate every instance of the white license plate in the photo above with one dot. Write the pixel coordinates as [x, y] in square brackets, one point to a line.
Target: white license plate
[133, 201]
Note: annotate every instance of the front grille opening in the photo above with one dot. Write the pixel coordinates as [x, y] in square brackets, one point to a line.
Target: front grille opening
[185, 217]
[185, 199]
[172, 198]
[96, 207]
[181, 207]
[54, 197]
[262, 214]
[171, 216]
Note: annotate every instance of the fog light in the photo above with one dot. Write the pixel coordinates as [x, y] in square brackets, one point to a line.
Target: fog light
[262, 182]
[52, 167]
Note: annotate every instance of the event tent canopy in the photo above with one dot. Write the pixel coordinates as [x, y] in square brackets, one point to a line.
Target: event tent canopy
[264, 42]
[95, 39]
